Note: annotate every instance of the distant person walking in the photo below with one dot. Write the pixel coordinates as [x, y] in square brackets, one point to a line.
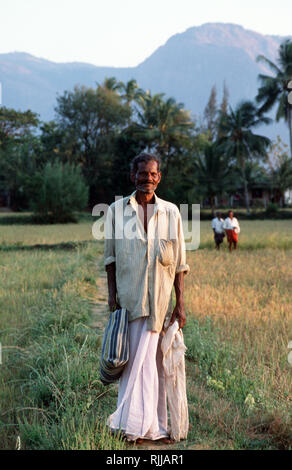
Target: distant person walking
[218, 229]
[232, 229]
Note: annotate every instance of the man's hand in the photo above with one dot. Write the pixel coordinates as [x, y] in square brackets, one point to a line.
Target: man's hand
[112, 303]
[179, 315]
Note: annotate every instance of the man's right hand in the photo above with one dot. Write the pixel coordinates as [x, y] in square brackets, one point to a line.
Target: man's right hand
[112, 303]
[112, 287]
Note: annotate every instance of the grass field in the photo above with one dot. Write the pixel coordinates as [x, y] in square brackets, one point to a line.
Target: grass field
[239, 325]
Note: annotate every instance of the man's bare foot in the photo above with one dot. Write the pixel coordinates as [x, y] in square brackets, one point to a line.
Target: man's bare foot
[139, 441]
[163, 440]
[167, 440]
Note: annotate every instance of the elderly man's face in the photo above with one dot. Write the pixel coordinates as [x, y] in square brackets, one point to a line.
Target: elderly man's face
[147, 177]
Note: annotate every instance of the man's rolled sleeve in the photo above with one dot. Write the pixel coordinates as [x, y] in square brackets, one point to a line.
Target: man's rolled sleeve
[181, 265]
[109, 242]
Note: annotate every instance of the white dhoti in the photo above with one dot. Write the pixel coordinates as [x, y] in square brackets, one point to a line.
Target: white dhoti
[142, 409]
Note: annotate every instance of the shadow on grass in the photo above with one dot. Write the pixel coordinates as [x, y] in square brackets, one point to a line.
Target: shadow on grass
[18, 218]
[54, 246]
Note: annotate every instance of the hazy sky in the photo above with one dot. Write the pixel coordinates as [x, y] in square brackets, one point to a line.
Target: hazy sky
[124, 32]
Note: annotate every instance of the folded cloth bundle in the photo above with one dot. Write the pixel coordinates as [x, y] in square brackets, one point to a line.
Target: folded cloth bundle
[173, 350]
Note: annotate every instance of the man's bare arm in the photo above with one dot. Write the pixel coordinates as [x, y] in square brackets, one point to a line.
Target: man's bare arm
[179, 309]
[112, 286]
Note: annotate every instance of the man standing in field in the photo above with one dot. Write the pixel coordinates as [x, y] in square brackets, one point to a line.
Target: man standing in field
[232, 229]
[217, 226]
[141, 271]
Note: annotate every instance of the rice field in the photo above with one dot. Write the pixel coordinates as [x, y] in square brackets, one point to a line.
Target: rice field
[275, 234]
[239, 312]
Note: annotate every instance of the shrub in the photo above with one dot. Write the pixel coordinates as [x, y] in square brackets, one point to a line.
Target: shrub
[57, 192]
[272, 208]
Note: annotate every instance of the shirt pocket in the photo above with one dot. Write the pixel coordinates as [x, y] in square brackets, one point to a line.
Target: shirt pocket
[165, 251]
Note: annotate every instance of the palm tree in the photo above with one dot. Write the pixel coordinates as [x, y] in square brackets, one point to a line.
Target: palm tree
[276, 89]
[213, 173]
[256, 176]
[132, 92]
[111, 83]
[239, 143]
[164, 126]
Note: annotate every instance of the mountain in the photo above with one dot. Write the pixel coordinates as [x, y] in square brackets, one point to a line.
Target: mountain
[185, 67]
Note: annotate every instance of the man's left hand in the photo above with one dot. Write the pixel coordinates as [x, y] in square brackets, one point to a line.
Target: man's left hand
[179, 315]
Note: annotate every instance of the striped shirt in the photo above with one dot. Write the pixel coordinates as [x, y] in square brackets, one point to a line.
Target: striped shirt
[146, 264]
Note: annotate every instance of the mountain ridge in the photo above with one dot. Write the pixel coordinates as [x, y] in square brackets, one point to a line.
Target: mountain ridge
[185, 67]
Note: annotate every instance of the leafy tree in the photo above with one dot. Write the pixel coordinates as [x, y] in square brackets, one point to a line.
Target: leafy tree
[52, 143]
[127, 146]
[225, 98]
[90, 120]
[16, 166]
[210, 114]
[274, 89]
[213, 114]
[15, 124]
[17, 145]
[222, 111]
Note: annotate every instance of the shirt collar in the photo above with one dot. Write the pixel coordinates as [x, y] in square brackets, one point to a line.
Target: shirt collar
[158, 206]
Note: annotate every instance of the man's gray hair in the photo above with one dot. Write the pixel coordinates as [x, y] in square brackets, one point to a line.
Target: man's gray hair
[144, 157]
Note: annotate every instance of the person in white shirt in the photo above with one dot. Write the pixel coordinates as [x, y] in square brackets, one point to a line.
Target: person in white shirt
[217, 226]
[232, 229]
[141, 272]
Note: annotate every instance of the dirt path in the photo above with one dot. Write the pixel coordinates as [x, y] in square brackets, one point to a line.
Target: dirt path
[100, 309]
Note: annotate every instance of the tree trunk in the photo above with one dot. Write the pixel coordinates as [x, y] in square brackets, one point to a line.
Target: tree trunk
[245, 185]
[212, 200]
[9, 199]
[246, 196]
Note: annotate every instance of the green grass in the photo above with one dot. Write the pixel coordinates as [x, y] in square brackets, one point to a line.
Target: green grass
[51, 395]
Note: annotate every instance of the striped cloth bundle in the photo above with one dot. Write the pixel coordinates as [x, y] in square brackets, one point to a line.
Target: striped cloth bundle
[115, 347]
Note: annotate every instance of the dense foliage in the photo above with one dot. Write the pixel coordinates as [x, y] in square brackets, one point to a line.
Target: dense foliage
[97, 131]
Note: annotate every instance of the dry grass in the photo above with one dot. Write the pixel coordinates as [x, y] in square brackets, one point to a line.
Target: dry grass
[247, 296]
[242, 302]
